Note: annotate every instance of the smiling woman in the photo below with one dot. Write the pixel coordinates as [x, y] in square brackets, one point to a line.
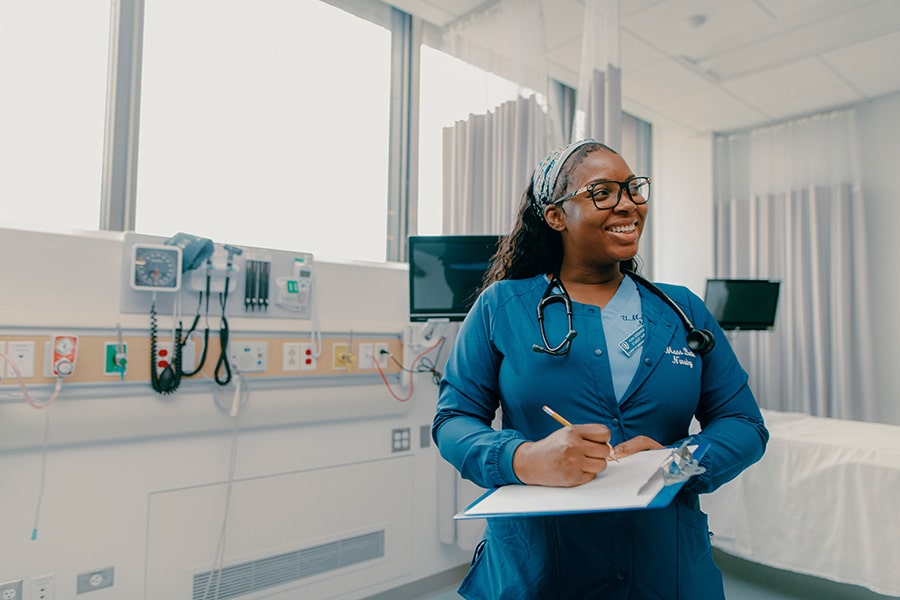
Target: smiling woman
[572, 254]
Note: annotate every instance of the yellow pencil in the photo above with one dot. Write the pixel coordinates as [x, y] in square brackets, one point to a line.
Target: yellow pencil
[565, 423]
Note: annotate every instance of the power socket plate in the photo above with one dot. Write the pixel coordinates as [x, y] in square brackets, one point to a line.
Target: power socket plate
[43, 587]
[11, 590]
[95, 580]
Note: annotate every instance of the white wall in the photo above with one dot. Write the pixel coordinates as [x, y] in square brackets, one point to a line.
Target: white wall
[880, 146]
[121, 470]
[681, 214]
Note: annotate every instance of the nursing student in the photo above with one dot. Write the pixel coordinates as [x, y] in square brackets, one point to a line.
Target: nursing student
[617, 360]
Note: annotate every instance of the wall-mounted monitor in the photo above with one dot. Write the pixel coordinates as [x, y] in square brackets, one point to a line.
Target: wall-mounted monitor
[445, 274]
[742, 303]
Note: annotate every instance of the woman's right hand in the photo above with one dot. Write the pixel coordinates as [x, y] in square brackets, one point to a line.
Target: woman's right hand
[568, 457]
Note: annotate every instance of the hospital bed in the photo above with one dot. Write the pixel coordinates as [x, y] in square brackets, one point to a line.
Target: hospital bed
[823, 501]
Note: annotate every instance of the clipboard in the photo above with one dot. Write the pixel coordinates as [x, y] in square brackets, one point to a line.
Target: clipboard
[641, 481]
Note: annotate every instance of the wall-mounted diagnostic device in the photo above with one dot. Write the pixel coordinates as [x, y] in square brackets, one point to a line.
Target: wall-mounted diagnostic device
[156, 268]
[293, 292]
[189, 268]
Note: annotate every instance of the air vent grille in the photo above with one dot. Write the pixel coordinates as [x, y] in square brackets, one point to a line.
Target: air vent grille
[237, 580]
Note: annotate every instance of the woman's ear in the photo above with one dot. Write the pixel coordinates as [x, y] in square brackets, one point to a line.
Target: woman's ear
[555, 217]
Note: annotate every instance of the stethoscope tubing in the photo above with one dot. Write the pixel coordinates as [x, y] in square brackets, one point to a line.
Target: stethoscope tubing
[699, 340]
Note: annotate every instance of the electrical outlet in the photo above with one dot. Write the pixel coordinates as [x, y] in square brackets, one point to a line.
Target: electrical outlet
[381, 355]
[95, 580]
[342, 358]
[43, 587]
[365, 356]
[11, 590]
[250, 357]
[307, 358]
[400, 439]
[21, 353]
[290, 356]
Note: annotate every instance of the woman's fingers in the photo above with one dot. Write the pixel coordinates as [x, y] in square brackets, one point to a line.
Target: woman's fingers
[636, 444]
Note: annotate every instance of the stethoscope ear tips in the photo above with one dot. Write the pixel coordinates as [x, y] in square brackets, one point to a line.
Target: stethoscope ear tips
[701, 341]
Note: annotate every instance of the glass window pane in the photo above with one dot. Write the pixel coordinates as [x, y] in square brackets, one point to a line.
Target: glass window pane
[53, 65]
[265, 124]
[450, 90]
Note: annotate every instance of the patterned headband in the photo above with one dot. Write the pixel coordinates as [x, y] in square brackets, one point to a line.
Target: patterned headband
[545, 176]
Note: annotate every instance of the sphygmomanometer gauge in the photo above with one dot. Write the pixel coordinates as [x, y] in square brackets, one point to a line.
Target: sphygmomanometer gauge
[156, 267]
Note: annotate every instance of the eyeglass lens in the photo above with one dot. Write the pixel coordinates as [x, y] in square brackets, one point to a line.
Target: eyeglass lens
[608, 194]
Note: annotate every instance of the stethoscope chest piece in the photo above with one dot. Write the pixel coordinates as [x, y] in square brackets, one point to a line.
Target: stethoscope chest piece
[551, 296]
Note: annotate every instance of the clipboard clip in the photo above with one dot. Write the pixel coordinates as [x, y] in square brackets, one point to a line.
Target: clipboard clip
[679, 466]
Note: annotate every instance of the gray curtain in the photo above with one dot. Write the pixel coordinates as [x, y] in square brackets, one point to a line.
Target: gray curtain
[488, 161]
[789, 206]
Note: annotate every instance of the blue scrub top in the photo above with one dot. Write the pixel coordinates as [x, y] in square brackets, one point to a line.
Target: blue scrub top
[660, 553]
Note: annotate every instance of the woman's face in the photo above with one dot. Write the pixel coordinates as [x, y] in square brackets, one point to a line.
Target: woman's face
[598, 237]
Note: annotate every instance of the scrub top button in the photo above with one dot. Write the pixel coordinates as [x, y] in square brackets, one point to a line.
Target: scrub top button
[620, 575]
[598, 352]
[647, 361]
[614, 422]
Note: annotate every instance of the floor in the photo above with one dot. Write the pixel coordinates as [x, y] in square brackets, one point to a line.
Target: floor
[749, 581]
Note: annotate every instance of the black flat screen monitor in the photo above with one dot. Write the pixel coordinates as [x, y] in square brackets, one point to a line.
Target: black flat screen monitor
[742, 303]
[445, 274]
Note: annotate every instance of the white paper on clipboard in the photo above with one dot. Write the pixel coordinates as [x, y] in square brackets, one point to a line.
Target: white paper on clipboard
[616, 488]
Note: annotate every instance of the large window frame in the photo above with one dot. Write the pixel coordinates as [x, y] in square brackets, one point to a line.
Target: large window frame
[120, 165]
[119, 176]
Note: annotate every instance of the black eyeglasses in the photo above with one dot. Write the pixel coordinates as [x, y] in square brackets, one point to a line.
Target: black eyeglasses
[606, 194]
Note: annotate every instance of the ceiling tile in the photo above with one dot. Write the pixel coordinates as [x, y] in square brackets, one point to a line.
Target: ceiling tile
[881, 85]
[637, 53]
[804, 79]
[751, 62]
[815, 35]
[662, 81]
[667, 26]
[709, 109]
[870, 66]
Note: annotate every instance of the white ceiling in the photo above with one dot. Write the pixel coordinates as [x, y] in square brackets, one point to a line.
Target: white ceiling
[750, 62]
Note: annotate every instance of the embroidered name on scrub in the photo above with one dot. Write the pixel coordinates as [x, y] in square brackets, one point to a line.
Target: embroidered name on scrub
[681, 357]
[633, 342]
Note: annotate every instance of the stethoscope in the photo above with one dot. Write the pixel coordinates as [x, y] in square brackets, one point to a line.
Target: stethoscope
[700, 341]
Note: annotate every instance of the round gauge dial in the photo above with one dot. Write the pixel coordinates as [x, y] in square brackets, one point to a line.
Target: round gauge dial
[64, 345]
[156, 268]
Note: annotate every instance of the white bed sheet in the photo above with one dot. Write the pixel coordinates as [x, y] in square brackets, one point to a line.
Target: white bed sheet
[824, 501]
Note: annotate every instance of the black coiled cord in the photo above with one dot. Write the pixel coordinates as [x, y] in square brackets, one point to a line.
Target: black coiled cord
[167, 381]
[223, 353]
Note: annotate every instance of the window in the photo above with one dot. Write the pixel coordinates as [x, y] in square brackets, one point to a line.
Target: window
[53, 64]
[450, 90]
[265, 124]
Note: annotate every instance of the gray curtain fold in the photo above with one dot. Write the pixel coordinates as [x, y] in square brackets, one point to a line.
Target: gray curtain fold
[805, 226]
[488, 161]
